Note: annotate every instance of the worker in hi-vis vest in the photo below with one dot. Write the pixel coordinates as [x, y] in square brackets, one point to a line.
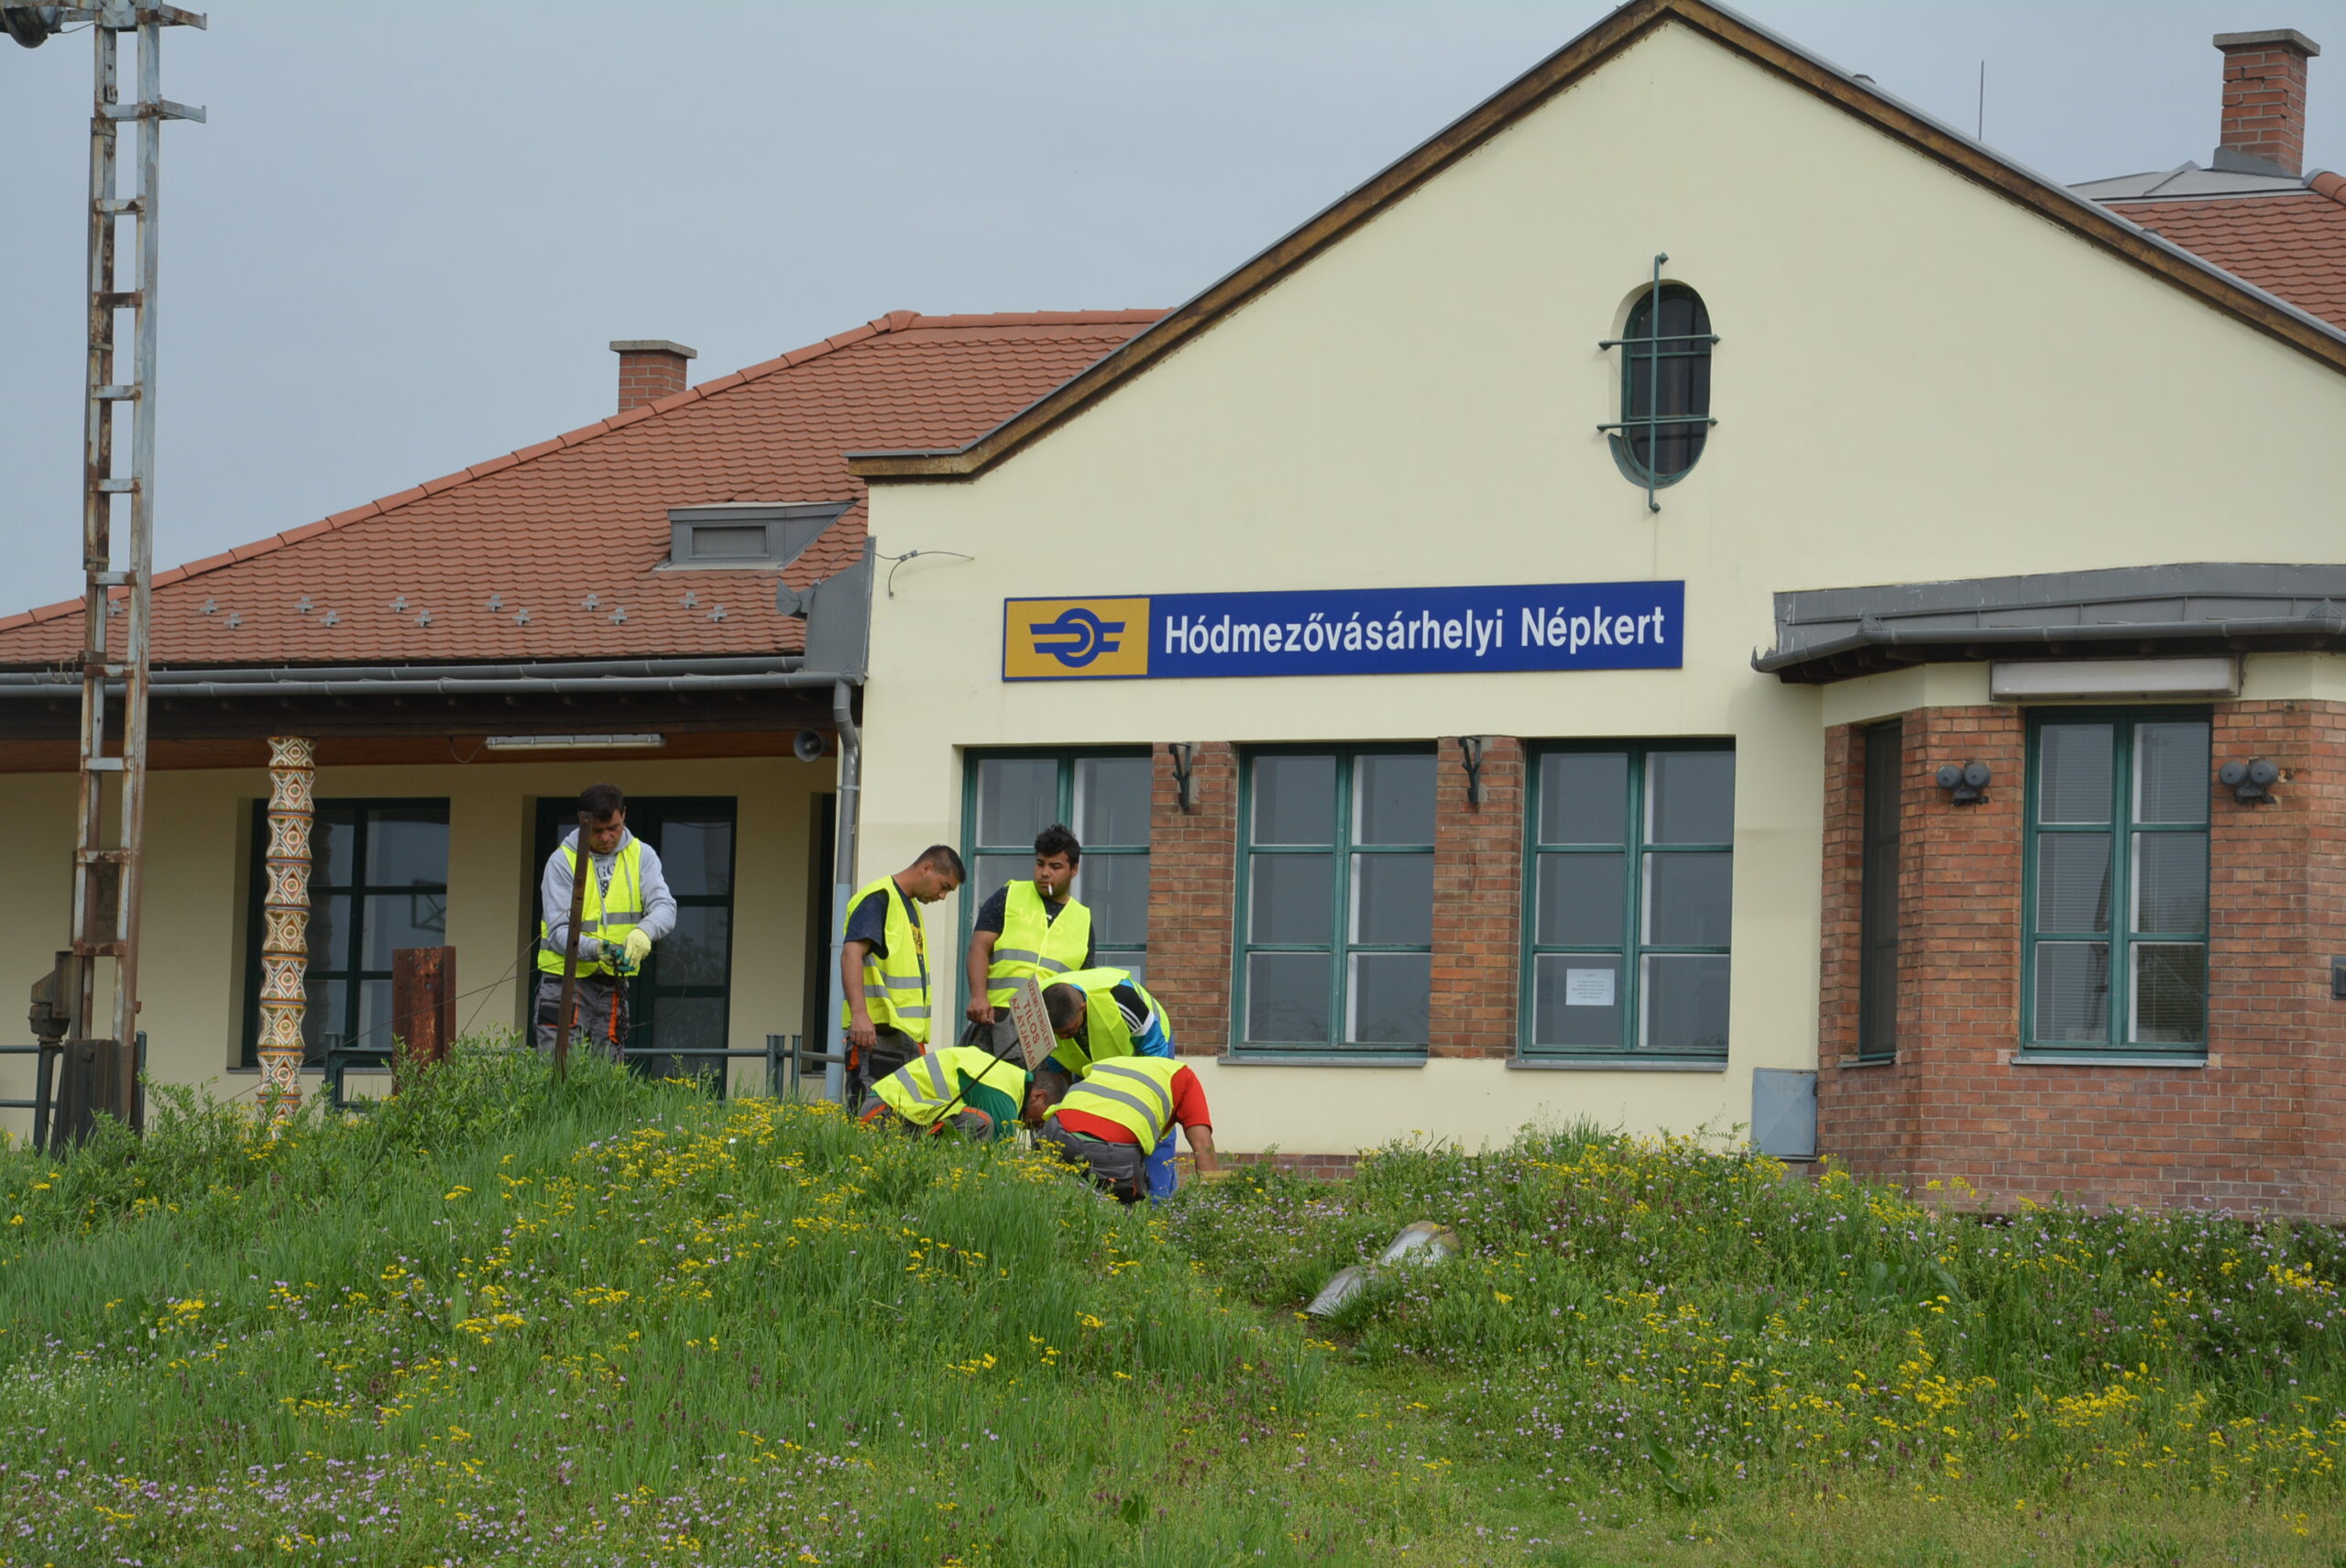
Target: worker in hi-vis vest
[626, 908]
[883, 966]
[1101, 1014]
[963, 1088]
[1028, 929]
[1120, 1109]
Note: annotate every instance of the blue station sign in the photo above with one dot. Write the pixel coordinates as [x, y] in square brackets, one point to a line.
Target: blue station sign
[1347, 631]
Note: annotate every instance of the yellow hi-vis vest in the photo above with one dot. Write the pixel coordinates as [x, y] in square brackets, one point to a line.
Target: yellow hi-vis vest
[896, 987]
[607, 915]
[1104, 1031]
[920, 1090]
[1033, 943]
[1134, 1092]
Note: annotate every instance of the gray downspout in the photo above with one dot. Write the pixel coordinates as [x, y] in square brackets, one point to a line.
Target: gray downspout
[842, 888]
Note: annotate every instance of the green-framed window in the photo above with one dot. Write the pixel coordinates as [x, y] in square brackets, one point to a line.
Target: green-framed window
[2116, 881]
[683, 997]
[379, 881]
[1104, 796]
[1335, 900]
[1628, 905]
[1665, 420]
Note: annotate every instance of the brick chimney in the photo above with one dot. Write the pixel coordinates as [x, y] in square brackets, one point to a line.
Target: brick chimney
[2264, 101]
[652, 369]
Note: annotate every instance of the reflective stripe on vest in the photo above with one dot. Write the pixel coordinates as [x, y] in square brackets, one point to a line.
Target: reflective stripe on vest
[896, 987]
[920, 1090]
[1033, 942]
[1102, 1093]
[608, 915]
[1105, 1033]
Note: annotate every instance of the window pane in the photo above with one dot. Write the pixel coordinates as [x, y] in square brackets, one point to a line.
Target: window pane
[1393, 900]
[2073, 772]
[396, 920]
[2170, 993]
[1583, 797]
[1579, 901]
[374, 1033]
[329, 934]
[1134, 961]
[324, 1020]
[698, 951]
[680, 1022]
[2171, 773]
[1576, 999]
[1017, 798]
[1391, 993]
[333, 837]
[1116, 889]
[1287, 996]
[1687, 899]
[1292, 899]
[696, 856]
[2170, 881]
[1112, 800]
[1690, 797]
[1392, 800]
[1294, 800]
[2073, 881]
[1684, 1002]
[2073, 992]
[406, 846]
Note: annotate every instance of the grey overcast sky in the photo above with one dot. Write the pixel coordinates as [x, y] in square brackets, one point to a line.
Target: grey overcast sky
[408, 230]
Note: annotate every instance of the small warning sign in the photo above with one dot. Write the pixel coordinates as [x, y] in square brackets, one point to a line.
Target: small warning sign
[1029, 1023]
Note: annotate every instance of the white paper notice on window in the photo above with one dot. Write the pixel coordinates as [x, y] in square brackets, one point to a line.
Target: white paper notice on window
[1588, 988]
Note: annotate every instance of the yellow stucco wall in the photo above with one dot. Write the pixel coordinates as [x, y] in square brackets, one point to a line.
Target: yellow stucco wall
[198, 837]
[1916, 380]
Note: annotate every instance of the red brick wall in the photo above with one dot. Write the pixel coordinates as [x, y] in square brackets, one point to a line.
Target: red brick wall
[2265, 104]
[1477, 901]
[2260, 1125]
[646, 378]
[1192, 877]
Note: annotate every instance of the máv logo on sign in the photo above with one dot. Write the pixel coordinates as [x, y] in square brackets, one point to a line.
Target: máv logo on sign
[1077, 637]
[1046, 640]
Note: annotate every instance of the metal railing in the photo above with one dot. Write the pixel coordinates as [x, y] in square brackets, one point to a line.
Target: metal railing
[43, 1103]
[785, 1056]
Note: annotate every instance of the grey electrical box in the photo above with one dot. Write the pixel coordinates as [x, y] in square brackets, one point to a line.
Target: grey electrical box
[1783, 1112]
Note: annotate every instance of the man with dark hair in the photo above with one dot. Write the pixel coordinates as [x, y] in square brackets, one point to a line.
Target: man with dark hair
[1029, 928]
[626, 908]
[1122, 1108]
[883, 966]
[1104, 1015]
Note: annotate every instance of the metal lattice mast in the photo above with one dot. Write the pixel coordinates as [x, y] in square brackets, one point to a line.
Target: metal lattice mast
[106, 873]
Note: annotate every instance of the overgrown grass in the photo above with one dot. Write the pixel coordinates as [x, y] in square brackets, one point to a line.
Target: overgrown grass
[500, 1320]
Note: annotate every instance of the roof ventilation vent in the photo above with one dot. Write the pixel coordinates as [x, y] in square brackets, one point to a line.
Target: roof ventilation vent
[761, 535]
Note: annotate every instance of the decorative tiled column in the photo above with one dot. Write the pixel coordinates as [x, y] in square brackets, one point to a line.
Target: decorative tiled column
[285, 921]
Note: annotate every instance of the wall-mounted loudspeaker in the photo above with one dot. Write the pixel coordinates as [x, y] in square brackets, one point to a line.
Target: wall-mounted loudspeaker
[808, 745]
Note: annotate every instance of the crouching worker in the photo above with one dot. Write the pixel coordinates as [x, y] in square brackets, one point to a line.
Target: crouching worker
[1122, 1108]
[965, 1089]
[1103, 1013]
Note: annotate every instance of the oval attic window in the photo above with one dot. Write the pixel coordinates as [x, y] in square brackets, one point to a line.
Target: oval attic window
[1666, 386]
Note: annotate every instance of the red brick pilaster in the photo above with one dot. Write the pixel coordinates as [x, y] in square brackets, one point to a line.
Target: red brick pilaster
[1192, 882]
[1477, 900]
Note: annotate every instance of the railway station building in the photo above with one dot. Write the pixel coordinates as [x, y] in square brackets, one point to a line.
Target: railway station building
[1699, 600]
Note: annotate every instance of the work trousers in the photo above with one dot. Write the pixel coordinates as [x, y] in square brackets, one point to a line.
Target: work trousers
[1115, 1169]
[895, 1049]
[601, 1015]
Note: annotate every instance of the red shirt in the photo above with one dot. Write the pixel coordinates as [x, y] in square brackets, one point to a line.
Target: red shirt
[1188, 1111]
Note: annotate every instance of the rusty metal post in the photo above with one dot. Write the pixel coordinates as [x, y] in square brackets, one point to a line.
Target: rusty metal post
[582, 866]
[285, 922]
[423, 1005]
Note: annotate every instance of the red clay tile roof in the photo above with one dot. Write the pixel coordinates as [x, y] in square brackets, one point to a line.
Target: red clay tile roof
[543, 529]
[2292, 245]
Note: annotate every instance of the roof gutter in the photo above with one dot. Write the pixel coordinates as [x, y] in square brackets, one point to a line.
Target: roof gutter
[575, 678]
[1887, 636]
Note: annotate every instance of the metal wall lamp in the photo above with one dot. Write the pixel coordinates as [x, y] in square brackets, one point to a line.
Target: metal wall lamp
[1470, 757]
[1965, 783]
[2250, 782]
[1184, 756]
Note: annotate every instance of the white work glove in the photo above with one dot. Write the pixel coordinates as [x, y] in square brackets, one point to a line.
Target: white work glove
[638, 947]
